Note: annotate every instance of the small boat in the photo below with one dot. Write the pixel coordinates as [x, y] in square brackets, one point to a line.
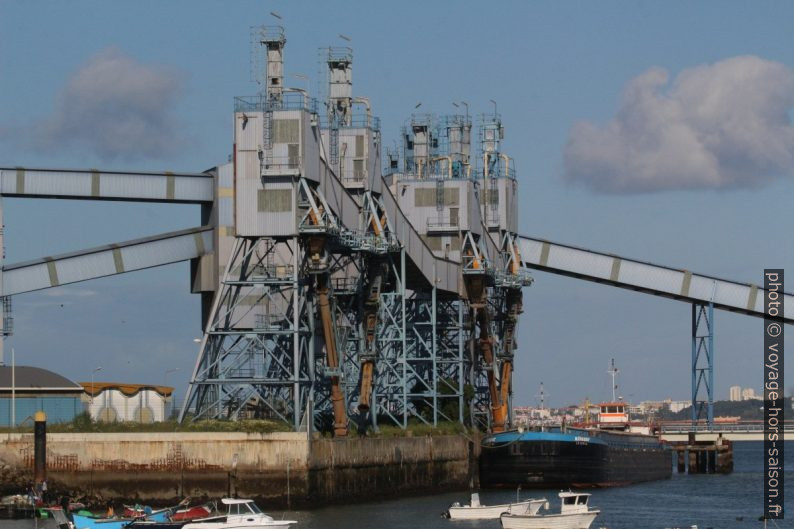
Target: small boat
[240, 514]
[191, 513]
[60, 518]
[88, 522]
[144, 511]
[574, 514]
[476, 511]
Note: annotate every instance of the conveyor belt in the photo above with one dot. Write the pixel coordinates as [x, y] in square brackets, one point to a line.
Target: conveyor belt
[684, 285]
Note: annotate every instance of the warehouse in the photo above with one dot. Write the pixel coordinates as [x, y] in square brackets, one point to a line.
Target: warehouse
[24, 390]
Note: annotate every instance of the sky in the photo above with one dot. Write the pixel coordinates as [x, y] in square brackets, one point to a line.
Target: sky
[656, 131]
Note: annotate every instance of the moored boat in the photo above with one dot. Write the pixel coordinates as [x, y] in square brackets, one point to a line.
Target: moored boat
[191, 513]
[240, 514]
[606, 452]
[574, 514]
[476, 511]
[88, 522]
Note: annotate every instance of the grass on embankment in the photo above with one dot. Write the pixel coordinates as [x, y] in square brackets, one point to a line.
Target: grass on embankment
[84, 424]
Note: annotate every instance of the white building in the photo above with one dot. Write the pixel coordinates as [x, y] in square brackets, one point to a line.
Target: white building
[749, 394]
[111, 402]
[677, 405]
[735, 393]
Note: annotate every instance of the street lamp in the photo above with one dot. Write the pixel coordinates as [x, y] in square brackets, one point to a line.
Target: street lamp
[465, 104]
[95, 371]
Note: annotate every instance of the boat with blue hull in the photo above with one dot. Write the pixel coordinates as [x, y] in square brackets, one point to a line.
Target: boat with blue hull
[572, 457]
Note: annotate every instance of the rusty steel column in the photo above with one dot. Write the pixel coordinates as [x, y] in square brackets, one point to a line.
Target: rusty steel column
[39, 448]
[497, 417]
[332, 357]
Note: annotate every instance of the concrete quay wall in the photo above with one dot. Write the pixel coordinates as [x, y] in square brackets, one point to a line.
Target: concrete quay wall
[276, 469]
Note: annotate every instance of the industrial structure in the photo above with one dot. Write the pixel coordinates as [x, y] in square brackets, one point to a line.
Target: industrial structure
[338, 290]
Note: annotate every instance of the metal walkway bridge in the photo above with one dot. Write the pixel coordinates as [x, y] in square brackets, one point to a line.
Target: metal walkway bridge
[166, 248]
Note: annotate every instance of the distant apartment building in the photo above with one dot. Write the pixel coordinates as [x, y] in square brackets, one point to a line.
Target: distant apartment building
[737, 393]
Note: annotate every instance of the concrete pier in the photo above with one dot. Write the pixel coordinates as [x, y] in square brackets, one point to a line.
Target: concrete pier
[277, 469]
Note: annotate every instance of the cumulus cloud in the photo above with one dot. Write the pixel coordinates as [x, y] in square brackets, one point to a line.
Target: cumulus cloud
[115, 107]
[719, 126]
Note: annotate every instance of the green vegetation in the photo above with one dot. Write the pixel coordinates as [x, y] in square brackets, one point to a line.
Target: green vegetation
[418, 429]
[84, 424]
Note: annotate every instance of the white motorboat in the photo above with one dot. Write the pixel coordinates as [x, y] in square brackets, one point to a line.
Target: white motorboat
[574, 514]
[240, 514]
[476, 511]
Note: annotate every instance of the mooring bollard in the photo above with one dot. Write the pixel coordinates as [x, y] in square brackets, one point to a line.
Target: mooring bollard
[39, 448]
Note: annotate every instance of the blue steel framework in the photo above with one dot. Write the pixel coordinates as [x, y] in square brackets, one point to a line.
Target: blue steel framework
[703, 363]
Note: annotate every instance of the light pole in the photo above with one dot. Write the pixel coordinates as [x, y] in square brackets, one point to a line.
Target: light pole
[303, 78]
[93, 390]
[465, 104]
[165, 383]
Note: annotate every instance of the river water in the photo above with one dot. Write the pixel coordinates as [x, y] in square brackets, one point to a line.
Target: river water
[731, 501]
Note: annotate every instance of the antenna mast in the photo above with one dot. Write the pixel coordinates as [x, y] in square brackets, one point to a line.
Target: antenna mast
[613, 371]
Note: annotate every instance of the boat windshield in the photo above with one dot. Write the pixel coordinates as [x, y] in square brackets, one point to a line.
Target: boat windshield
[569, 500]
[254, 508]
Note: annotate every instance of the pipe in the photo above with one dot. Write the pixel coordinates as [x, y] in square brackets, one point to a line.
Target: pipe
[365, 102]
[506, 158]
[332, 358]
[500, 413]
[449, 164]
[485, 157]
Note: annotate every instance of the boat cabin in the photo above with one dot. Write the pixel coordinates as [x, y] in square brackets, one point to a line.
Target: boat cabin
[573, 502]
[613, 415]
[236, 507]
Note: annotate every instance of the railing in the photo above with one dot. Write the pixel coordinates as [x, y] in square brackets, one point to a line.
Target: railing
[288, 101]
[357, 121]
[716, 428]
[442, 223]
[281, 162]
[522, 278]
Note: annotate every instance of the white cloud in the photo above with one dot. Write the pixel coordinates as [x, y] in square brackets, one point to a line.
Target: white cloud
[719, 126]
[115, 107]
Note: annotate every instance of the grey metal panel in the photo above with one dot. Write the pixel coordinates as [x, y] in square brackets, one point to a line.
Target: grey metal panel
[248, 138]
[195, 188]
[107, 260]
[339, 200]
[443, 273]
[645, 277]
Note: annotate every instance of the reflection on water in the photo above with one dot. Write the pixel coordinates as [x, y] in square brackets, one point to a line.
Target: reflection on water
[725, 502]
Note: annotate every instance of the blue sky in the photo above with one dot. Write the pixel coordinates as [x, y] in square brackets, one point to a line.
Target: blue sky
[548, 65]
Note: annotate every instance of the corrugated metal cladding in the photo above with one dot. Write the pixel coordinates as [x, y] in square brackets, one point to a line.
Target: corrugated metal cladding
[225, 192]
[655, 279]
[31, 278]
[248, 132]
[191, 188]
[103, 262]
[265, 210]
[444, 274]
[339, 200]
